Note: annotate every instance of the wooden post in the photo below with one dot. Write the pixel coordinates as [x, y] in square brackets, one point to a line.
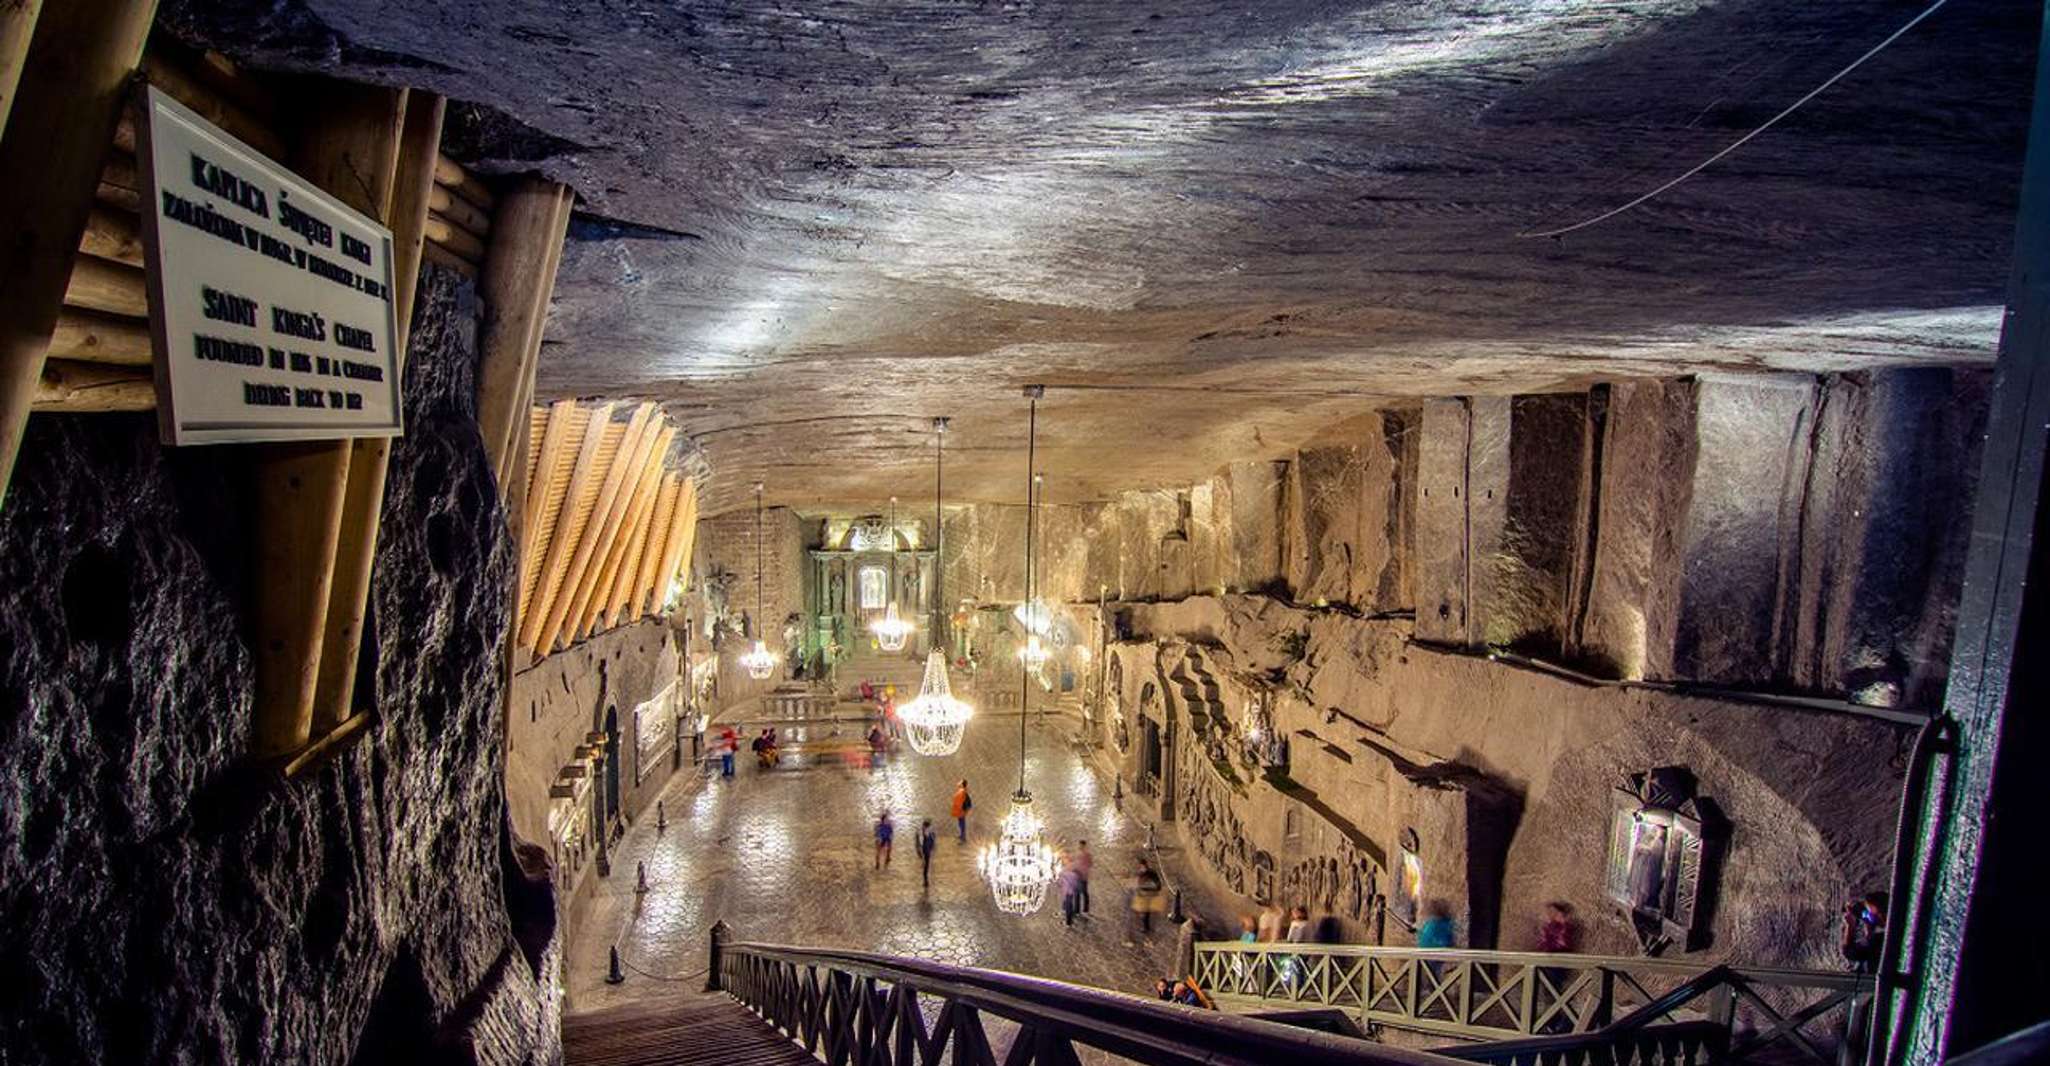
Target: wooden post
[68, 94]
[350, 148]
[370, 457]
[519, 279]
[17, 25]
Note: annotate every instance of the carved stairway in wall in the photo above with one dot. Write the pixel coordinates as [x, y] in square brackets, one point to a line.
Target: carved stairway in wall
[1195, 685]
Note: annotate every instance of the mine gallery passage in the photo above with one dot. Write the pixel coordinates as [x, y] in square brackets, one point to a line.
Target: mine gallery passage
[1315, 530]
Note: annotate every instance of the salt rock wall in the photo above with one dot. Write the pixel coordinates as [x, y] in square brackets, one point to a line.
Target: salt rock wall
[561, 700]
[1811, 797]
[165, 905]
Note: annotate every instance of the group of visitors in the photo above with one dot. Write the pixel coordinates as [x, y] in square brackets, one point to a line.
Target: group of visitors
[928, 837]
[767, 754]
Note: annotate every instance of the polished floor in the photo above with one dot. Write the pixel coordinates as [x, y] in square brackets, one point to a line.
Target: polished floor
[786, 856]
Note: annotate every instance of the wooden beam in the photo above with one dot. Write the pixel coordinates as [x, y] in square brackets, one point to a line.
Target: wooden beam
[350, 147]
[651, 552]
[113, 235]
[518, 281]
[455, 238]
[598, 535]
[460, 212]
[418, 135]
[622, 551]
[166, 73]
[94, 387]
[102, 285]
[68, 93]
[551, 491]
[120, 184]
[584, 478]
[682, 532]
[93, 337]
[449, 173]
[555, 440]
[17, 25]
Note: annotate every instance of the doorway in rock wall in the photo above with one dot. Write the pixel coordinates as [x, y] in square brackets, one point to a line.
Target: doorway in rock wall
[1150, 755]
[611, 764]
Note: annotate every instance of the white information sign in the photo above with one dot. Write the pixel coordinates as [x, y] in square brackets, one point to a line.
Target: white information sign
[270, 301]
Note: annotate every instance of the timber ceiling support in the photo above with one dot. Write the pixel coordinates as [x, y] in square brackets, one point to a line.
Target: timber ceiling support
[370, 457]
[351, 148]
[68, 91]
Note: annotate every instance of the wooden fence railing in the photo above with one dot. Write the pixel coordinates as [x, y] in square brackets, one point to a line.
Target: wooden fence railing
[851, 1006]
[1496, 995]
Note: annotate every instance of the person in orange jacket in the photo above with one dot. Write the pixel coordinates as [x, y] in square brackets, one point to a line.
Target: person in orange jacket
[963, 803]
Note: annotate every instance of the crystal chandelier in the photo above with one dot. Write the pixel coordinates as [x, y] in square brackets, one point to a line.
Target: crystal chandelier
[1020, 865]
[759, 661]
[891, 630]
[935, 720]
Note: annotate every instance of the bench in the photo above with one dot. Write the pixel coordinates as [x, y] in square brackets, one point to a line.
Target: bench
[849, 751]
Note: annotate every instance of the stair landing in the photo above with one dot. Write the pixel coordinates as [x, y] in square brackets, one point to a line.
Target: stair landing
[685, 1031]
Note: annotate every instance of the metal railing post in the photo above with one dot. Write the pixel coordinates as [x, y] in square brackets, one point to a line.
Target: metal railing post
[715, 978]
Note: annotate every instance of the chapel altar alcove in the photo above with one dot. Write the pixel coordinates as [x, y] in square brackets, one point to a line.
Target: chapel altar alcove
[860, 567]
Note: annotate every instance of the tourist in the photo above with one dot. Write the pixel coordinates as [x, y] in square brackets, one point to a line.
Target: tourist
[1864, 932]
[963, 803]
[1071, 894]
[1146, 901]
[1436, 930]
[885, 832]
[729, 745]
[1271, 922]
[927, 841]
[1249, 930]
[1557, 931]
[1298, 933]
[1081, 864]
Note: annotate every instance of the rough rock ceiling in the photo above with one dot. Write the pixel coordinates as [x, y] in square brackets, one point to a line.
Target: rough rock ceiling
[1214, 228]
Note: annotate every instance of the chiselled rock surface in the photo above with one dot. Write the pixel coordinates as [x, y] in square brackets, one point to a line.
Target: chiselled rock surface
[1226, 225]
[171, 906]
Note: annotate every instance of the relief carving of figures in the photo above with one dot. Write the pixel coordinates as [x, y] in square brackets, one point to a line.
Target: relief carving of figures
[719, 617]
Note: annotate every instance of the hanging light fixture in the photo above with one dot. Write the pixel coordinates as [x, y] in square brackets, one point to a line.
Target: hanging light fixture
[1020, 865]
[759, 661]
[1034, 613]
[934, 722]
[891, 630]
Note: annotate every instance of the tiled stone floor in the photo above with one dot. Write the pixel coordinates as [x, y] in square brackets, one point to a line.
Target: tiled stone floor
[785, 856]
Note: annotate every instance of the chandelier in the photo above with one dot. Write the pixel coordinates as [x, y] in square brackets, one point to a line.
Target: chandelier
[935, 720]
[1020, 865]
[759, 661]
[891, 630]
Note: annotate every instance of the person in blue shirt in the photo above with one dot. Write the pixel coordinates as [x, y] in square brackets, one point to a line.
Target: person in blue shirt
[885, 833]
[1436, 930]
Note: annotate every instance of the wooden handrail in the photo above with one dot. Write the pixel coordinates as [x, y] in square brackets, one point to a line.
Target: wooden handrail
[1141, 1029]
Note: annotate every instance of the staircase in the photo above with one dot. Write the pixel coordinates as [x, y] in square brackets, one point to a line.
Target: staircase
[680, 1032]
[881, 668]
